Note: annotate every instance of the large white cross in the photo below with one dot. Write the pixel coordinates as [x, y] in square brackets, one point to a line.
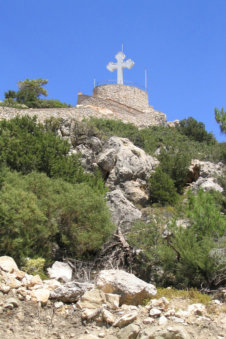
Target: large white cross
[119, 65]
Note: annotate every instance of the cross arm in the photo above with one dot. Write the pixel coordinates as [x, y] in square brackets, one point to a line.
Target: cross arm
[111, 66]
[128, 64]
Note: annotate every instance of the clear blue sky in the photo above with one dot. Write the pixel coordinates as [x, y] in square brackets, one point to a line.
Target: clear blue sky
[182, 44]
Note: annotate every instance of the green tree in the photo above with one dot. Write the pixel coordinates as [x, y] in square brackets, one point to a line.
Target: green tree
[10, 94]
[30, 91]
[196, 131]
[220, 116]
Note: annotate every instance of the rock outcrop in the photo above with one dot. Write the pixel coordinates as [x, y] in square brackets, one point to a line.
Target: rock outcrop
[204, 174]
[125, 167]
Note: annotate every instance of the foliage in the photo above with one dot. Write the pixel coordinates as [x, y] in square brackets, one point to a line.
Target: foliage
[220, 116]
[10, 95]
[161, 188]
[39, 214]
[10, 102]
[175, 163]
[30, 91]
[34, 267]
[195, 130]
[162, 137]
[29, 95]
[185, 257]
[26, 146]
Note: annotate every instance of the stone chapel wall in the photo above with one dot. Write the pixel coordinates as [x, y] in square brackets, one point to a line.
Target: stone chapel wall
[126, 95]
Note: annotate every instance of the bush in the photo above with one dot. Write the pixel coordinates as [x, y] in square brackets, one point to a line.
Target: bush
[34, 267]
[162, 137]
[175, 163]
[195, 130]
[161, 188]
[27, 146]
[185, 257]
[39, 214]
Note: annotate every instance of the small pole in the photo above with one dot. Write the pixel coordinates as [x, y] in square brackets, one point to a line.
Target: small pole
[94, 82]
[145, 80]
[122, 47]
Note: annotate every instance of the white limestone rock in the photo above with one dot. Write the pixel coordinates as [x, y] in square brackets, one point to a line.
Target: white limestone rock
[60, 271]
[155, 312]
[131, 289]
[203, 175]
[135, 191]
[8, 264]
[126, 319]
[96, 298]
[207, 184]
[130, 162]
[123, 211]
[40, 295]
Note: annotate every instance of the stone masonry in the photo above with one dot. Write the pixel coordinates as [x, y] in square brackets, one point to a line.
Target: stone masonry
[119, 102]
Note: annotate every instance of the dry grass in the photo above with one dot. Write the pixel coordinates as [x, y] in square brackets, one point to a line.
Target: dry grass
[192, 295]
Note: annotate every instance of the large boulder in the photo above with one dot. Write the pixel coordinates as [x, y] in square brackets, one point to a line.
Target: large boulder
[124, 161]
[123, 211]
[60, 271]
[131, 289]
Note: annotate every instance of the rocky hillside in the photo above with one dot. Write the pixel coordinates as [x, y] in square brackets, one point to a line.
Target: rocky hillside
[117, 306]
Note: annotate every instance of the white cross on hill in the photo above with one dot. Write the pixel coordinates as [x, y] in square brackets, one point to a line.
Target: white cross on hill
[119, 65]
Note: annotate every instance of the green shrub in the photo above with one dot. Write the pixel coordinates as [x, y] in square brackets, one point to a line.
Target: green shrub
[26, 146]
[184, 257]
[164, 137]
[195, 130]
[37, 212]
[34, 267]
[175, 163]
[220, 116]
[161, 188]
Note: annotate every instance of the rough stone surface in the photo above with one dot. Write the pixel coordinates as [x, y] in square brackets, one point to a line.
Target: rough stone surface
[41, 295]
[8, 264]
[136, 191]
[131, 289]
[60, 271]
[71, 291]
[125, 319]
[122, 210]
[95, 298]
[129, 332]
[101, 107]
[130, 162]
[203, 175]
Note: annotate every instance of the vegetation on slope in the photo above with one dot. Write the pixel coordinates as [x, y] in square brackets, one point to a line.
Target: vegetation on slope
[187, 254]
[48, 205]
